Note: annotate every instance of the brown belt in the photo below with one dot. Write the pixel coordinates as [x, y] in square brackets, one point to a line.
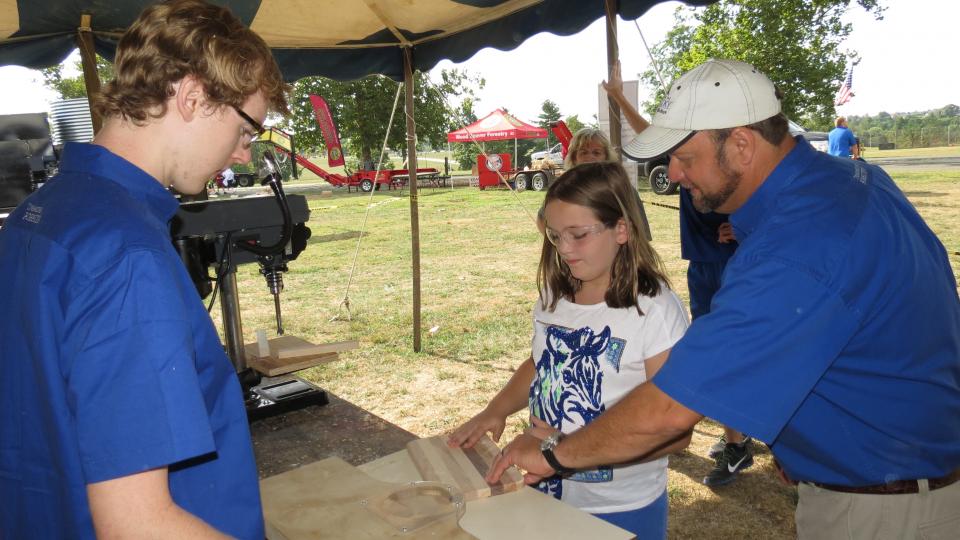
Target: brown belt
[897, 487]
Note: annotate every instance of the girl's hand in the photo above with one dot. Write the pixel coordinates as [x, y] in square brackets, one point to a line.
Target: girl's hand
[540, 428]
[469, 433]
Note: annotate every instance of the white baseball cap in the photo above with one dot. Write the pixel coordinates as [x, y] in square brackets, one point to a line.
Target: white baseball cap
[717, 94]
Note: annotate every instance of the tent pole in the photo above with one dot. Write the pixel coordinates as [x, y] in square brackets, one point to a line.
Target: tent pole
[88, 59]
[613, 54]
[412, 174]
[514, 152]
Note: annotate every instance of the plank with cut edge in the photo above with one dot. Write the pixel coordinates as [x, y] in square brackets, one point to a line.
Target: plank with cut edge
[462, 468]
[285, 347]
[272, 367]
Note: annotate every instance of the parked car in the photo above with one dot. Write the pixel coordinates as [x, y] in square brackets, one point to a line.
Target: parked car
[817, 139]
[655, 170]
[554, 154]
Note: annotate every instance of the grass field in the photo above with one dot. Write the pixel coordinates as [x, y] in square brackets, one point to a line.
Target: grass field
[479, 254]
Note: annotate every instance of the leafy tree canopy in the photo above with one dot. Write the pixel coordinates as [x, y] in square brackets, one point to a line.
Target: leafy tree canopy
[73, 87]
[797, 43]
[361, 109]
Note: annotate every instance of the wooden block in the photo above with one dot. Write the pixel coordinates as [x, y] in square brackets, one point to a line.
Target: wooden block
[293, 347]
[294, 350]
[271, 367]
[462, 468]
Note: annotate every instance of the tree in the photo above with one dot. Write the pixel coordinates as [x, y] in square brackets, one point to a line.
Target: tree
[549, 114]
[574, 124]
[361, 109]
[74, 87]
[797, 43]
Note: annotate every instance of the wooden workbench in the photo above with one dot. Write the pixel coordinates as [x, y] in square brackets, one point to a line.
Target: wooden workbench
[526, 513]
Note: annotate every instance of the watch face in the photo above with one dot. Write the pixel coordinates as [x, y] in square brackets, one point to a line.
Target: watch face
[550, 442]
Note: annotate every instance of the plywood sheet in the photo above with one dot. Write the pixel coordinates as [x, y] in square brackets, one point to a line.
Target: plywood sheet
[463, 468]
[331, 499]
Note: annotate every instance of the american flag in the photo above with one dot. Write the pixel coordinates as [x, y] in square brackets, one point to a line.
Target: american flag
[846, 89]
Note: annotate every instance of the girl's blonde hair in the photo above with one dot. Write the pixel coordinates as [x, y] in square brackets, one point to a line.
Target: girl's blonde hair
[587, 134]
[637, 269]
[171, 40]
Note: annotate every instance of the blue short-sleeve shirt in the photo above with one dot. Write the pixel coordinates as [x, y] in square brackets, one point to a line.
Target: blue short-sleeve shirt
[839, 141]
[835, 336]
[111, 364]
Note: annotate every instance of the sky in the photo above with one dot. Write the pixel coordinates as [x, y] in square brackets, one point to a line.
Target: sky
[906, 65]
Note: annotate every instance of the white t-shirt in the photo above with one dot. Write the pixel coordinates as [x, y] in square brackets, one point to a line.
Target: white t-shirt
[587, 357]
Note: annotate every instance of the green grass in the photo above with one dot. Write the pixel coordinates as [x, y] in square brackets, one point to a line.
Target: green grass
[479, 252]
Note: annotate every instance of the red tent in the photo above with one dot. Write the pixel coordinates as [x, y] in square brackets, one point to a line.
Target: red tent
[497, 126]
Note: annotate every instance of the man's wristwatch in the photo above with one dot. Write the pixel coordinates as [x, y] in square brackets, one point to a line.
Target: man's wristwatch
[546, 448]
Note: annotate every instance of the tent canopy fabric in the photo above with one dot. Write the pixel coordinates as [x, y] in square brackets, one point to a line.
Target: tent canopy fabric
[339, 39]
[497, 126]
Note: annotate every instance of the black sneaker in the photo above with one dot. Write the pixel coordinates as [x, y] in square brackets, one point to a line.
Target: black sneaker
[717, 448]
[733, 459]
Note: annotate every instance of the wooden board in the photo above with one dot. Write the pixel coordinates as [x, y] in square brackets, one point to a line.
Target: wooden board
[290, 353]
[463, 468]
[283, 347]
[331, 499]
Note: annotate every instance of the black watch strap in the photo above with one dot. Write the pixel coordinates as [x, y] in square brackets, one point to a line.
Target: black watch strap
[552, 460]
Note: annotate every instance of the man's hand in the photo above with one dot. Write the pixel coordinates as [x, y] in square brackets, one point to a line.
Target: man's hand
[725, 233]
[473, 430]
[524, 452]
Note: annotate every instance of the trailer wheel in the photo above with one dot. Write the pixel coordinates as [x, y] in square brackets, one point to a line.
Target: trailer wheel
[659, 182]
[366, 185]
[539, 181]
[245, 180]
[521, 182]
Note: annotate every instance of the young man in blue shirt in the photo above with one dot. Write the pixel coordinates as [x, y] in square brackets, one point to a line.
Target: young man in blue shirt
[834, 338]
[121, 413]
[841, 141]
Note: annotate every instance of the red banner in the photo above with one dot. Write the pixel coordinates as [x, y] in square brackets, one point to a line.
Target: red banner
[329, 130]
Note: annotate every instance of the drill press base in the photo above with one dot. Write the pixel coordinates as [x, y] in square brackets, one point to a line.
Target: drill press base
[279, 395]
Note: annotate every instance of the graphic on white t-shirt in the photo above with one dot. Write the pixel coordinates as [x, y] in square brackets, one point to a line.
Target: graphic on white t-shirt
[568, 386]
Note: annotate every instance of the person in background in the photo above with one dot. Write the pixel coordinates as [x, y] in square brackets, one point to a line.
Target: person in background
[707, 242]
[841, 140]
[605, 319]
[123, 416]
[834, 338]
[588, 145]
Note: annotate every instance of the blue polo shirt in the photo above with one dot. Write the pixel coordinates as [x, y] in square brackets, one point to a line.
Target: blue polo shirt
[698, 233]
[835, 336]
[839, 141]
[111, 365]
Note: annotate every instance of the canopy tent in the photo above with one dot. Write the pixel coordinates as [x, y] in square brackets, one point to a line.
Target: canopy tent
[339, 39]
[498, 126]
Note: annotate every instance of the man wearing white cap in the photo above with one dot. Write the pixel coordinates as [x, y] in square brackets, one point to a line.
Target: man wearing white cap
[834, 338]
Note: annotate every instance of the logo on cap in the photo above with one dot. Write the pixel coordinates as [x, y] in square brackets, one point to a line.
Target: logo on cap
[664, 105]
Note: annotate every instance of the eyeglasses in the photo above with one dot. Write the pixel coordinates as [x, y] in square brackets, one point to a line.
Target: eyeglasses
[574, 235]
[257, 126]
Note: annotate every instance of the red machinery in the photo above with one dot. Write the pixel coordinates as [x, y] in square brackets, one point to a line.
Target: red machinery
[365, 180]
[490, 167]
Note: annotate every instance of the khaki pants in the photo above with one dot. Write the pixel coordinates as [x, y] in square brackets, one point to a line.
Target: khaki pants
[830, 515]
